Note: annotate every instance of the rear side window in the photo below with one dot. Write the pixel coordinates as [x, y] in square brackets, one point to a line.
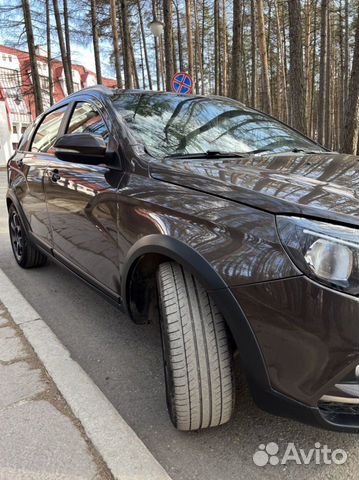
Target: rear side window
[47, 131]
[86, 119]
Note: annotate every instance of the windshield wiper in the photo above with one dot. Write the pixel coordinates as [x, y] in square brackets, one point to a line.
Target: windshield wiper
[207, 154]
[259, 150]
[307, 151]
[294, 150]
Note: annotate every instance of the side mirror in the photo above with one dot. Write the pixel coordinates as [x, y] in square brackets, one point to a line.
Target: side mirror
[81, 148]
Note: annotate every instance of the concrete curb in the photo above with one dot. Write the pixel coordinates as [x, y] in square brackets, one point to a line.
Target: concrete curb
[124, 453]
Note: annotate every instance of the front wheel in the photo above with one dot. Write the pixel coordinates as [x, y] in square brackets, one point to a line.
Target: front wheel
[197, 353]
[26, 254]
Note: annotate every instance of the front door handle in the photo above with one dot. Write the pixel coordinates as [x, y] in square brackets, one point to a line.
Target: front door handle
[54, 175]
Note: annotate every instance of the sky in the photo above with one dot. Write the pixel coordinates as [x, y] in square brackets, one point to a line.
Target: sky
[81, 54]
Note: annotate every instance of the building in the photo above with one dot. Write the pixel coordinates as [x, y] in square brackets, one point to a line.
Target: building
[17, 105]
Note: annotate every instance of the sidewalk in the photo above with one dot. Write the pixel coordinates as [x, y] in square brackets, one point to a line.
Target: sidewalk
[55, 423]
[40, 438]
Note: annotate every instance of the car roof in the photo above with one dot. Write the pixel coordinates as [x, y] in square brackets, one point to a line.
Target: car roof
[110, 92]
[101, 90]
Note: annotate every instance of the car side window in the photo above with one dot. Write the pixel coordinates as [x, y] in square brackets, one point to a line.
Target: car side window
[86, 119]
[47, 131]
[24, 140]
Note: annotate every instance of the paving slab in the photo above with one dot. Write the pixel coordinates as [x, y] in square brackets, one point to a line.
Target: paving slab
[37, 441]
[12, 349]
[19, 381]
[7, 332]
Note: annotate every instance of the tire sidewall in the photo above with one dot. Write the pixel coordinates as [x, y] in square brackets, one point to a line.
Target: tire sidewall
[23, 260]
[170, 388]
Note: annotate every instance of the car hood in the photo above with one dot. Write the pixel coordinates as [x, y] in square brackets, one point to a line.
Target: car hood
[319, 185]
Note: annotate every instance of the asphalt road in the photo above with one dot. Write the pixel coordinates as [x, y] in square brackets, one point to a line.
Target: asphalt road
[124, 360]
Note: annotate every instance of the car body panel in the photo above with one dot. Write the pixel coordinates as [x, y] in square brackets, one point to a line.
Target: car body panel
[239, 242]
[308, 336]
[319, 185]
[83, 214]
[26, 177]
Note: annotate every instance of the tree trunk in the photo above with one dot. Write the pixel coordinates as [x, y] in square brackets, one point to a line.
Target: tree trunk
[236, 53]
[156, 47]
[142, 64]
[179, 38]
[346, 48]
[219, 48]
[311, 131]
[253, 56]
[32, 54]
[162, 62]
[351, 124]
[167, 16]
[65, 65]
[144, 45]
[244, 77]
[133, 67]
[95, 41]
[67, 42]
[174, 51]
[296, 75]
[48, 41]
[308, 46]
[266, 91]
[115, 42]
[126, 47]
[283, 94]
[199, 71]
[217, 57]
[225, 52]
[328, 83]
[189, 36]
[322, 70]
[203, 45]
[341, 80]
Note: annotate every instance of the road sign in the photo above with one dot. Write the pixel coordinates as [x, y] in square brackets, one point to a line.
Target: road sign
[182, 83]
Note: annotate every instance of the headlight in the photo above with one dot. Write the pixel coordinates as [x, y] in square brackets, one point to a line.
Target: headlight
[323, 251]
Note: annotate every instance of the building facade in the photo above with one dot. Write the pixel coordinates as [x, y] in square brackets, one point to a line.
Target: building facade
[17, 104]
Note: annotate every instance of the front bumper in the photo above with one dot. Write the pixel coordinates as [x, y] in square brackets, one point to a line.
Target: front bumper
[330, 418]
[309, 338]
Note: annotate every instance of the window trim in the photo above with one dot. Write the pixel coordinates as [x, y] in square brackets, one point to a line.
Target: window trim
[40, 122]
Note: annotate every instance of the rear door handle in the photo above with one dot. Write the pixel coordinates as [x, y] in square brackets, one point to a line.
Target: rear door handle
[54, 175]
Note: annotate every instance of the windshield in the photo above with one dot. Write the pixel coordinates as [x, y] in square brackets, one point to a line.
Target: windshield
[175, 124]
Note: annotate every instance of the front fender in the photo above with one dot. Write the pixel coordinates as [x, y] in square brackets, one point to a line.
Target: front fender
[243, 335]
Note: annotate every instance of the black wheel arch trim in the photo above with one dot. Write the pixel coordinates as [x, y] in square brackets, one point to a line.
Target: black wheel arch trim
[13, 199]
[252, 359]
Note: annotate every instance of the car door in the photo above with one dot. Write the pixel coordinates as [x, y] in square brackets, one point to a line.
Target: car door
[82, 203]
[30, 167]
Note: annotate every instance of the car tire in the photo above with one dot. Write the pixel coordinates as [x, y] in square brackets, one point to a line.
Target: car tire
[198, 358]
[25, 252]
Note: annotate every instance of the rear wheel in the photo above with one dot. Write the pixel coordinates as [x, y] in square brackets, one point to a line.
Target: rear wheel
[26, 253]
[197, 353]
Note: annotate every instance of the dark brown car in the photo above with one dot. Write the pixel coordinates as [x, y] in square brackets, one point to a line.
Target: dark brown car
[240, 233]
